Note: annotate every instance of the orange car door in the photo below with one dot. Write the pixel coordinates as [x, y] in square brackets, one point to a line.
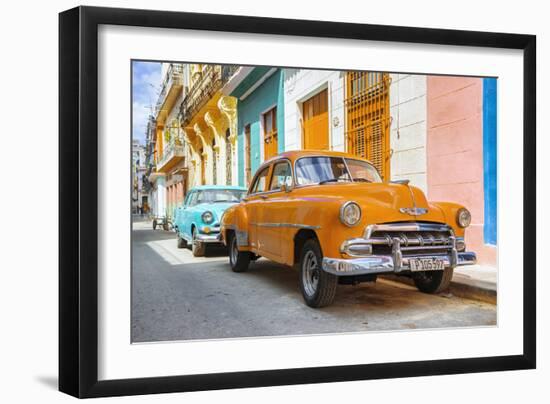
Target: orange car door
[274, 220]
[254, 203]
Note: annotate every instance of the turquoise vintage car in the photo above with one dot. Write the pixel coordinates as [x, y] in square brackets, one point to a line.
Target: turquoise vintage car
[197, 220]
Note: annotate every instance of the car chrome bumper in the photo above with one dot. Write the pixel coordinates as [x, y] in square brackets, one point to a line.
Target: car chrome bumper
[380, 264]
[209, 238]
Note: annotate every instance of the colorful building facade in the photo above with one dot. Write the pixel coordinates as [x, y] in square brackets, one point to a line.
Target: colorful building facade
[260, 117]
[208, 120]
[461, 153]
[139, 196]
[438, 132]
[216, 124]
[195, 134]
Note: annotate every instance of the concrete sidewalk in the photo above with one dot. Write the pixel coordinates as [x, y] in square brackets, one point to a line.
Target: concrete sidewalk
[477, 282]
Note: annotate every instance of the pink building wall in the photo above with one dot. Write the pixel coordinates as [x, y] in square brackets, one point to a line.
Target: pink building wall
[455, 151]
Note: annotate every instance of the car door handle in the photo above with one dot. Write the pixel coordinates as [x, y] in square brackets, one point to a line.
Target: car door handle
[263, 196]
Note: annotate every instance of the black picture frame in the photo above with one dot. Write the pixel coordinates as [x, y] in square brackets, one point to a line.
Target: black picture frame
[78, 201]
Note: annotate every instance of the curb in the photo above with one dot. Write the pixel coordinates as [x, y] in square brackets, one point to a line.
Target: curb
[464, 288]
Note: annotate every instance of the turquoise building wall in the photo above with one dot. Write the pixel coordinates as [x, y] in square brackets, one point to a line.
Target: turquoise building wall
[249, 111]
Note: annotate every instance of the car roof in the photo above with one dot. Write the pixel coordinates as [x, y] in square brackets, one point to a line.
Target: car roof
[214, 187]
[296, 154]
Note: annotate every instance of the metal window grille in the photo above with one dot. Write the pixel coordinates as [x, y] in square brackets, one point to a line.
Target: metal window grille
[368, 117]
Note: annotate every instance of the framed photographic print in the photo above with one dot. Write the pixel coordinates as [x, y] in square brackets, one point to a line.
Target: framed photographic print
[250, 201]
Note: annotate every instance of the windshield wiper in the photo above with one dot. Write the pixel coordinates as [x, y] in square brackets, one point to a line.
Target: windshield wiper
[361, 180]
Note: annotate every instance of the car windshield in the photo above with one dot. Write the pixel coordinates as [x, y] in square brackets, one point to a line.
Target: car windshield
[219, 195]
[324, 169]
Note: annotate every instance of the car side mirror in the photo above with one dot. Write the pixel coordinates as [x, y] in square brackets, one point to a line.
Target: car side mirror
[401, 182]
[286, 188]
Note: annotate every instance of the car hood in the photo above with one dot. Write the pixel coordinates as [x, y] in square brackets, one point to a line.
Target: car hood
[385, 202]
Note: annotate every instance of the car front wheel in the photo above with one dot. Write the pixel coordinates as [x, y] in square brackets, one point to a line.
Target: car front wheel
[318, 287]
[181, 241]
[433, 281]
[197, 248]
[239, 260]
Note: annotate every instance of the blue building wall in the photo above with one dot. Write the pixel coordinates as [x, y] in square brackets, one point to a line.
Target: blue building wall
[249, 111]
[490, 160]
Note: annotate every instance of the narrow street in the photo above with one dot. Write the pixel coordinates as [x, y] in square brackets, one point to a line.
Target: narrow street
[178, 297]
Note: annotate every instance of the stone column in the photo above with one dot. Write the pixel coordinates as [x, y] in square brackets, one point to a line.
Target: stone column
[216, 123]
[228, 107]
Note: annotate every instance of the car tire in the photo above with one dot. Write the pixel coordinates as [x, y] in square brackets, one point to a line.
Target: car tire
[197, 248]
[433, 281]
[318, 287]
[239, 260]
[154, 224]
[182, 243]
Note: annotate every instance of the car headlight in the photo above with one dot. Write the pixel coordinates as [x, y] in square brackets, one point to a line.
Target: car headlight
[350, 213]
[207, 217]
[463, 217]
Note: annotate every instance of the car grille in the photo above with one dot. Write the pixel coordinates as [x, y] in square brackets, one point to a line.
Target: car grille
[409, 238]
[414, 238]
[415, 242]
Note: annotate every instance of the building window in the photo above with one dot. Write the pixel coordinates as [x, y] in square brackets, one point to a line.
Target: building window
[247, 154]
[368, 118]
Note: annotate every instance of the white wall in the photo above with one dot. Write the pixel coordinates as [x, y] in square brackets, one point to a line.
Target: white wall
[408, 129]
[299, 85]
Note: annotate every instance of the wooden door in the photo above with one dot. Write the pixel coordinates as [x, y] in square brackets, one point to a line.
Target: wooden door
[315, 122]
[270, 133]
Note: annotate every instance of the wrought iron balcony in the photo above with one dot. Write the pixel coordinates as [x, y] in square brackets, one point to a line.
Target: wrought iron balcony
[171, 86]
[212, 78]
[172, 155]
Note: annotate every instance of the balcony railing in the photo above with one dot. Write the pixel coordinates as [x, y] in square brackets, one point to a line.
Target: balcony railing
[173, 153]
[213, 77]
[173, 76]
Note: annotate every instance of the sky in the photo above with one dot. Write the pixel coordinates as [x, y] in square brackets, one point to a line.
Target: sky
[145, 90]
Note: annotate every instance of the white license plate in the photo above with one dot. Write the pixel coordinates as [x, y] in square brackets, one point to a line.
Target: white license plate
[426, 264]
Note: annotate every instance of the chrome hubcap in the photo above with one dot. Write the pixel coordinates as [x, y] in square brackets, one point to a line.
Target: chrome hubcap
[234, 252]
[310, 273]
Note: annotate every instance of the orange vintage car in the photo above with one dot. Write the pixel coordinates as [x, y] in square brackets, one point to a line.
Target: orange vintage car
[331, 215]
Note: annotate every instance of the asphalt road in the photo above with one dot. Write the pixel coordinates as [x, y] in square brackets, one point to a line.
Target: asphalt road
[178, 297]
